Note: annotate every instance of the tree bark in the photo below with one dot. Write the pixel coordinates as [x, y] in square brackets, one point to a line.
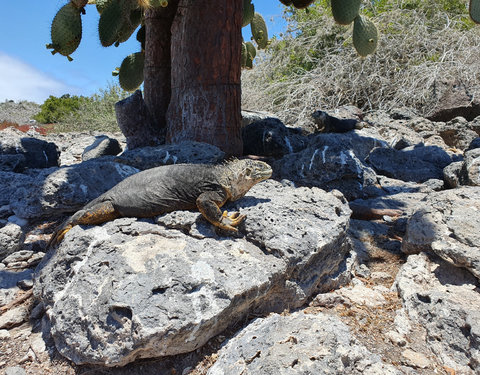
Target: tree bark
[157, 68]
[205, 101]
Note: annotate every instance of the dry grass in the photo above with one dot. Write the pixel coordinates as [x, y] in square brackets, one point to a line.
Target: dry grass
[415, 54]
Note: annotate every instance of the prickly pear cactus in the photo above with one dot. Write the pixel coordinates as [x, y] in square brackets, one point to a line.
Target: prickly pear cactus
[79, 3]
[66, 31]
[259, 30]
[101, 5]
[130, 74]
[475, 10]
[130, 23]
[365, 36]
[159, 3]
[141, 36]
[110, 23]
[248, 12]
[345, 11]
[244, 55]
[301, 4]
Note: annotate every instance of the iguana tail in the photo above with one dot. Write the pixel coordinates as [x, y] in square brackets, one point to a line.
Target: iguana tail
[97, 214]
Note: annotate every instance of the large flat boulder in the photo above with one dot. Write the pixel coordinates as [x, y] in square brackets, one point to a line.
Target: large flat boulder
[332, 161]
[65, 190]
[134, 289]
[444, 299]
[34, 153]
[447, 224]
[300, 344]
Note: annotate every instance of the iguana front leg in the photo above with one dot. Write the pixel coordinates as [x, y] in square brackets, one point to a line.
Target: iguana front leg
[209, 204]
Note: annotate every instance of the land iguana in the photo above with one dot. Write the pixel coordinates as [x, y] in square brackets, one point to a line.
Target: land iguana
[174, 187]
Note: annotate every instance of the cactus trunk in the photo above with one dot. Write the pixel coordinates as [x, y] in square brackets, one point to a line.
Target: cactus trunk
[206, 58]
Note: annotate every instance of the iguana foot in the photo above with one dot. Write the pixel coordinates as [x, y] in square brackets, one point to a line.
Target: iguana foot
[57, 237]
[229, 222]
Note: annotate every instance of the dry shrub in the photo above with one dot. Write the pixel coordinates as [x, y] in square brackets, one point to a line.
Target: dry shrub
[418, 50]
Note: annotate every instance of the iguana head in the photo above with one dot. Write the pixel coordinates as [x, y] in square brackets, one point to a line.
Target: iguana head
[241, 175]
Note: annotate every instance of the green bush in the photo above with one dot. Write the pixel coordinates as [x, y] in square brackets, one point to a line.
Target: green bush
[96, 113]
[54, 109]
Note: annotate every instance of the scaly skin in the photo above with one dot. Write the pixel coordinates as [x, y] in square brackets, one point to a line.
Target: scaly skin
[174, 187]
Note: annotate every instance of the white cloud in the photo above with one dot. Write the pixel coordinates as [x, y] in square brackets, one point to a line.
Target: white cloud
[20, 81]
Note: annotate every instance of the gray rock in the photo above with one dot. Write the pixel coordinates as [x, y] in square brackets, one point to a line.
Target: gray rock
[72, 145]
[249, 116]
[185, 152]
[19, 256]
[433, 154]
[475, 143]
[445, 300]
[12, 163]
[37, 153]
[471, 168]
[397, 133]
[453, 99]
[13, 317]
[457, 133]
[403, 165]
[11, 239]
[102, 146]
[297, 344]
[9, 281]
[270, 137]
[447, 225]
[393, 186]
[131, 289]
[453, 176]
[332, 161]
[361, 295]
[16, 370]
[9, 183]
[66, 189]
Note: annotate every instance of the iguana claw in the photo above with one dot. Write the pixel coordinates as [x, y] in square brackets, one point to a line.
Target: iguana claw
[229, 222]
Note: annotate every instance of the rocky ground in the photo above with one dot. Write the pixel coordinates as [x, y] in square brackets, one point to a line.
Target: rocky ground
[404, 301]
[20, 113]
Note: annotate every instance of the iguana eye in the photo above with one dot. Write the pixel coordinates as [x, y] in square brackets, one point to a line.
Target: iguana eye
[248, 172]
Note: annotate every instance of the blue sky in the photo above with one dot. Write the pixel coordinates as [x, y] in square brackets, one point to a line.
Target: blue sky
[28, 71]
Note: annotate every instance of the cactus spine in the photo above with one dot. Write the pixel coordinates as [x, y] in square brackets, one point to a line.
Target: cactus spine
[66, 31]
[345, 11]
[365, 36]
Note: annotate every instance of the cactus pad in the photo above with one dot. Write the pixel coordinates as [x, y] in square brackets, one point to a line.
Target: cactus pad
[248, 12]
[365, 36]
[259, 30]
[79, 3]
[345, 11]
[101, 5]
[159, 3]
[66, 30]
[475, 10]
[131, 71]
[244, 55]
[111, 21]
[300, 4]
